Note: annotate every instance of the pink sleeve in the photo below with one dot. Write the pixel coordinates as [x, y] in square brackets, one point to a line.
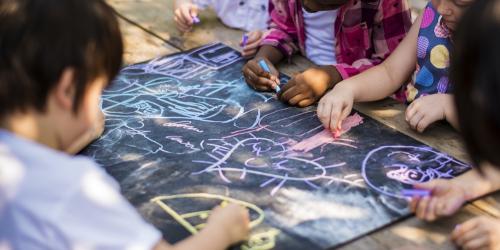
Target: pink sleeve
[282, 32]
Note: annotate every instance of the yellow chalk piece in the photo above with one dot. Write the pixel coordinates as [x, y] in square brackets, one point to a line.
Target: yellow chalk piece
[411, 93]
[440, 57]
[262, 241]
[200, 214]
[224, 204]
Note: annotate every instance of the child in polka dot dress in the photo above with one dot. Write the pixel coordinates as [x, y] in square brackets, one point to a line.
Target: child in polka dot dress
[428, 46]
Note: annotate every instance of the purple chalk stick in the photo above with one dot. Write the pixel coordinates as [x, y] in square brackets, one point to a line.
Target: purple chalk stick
[196, 19]
[415, 192]
[244, 40]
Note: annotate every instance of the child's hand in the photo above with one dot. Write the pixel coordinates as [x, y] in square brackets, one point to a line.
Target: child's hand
[335, 106]
[478, 233]
[427, 110]
[233, 222]
[252, 45]
[257, 78]
[307, 87]
[184, 16]
[447, 196]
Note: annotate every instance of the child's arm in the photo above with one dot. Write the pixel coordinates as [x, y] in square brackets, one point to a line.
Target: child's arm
[447, 196]
[278, 42]
[184, 12]
[252, 45]
[391, 24]
[374, 84]
[226, 226]
[428, 109]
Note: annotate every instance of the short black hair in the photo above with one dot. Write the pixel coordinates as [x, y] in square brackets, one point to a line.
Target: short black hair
[41, 38]
[475, 71]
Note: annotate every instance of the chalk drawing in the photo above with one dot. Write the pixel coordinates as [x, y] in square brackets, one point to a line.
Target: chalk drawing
[387, 169]
[260, 240]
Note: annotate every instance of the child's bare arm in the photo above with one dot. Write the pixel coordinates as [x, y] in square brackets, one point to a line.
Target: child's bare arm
[374, 84]
[384, 79]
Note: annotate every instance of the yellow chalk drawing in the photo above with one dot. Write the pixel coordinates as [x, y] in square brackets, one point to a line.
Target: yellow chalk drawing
[262, 240]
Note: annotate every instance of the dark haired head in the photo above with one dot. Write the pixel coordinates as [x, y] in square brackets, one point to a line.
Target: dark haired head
[475, 71]
[39, 39]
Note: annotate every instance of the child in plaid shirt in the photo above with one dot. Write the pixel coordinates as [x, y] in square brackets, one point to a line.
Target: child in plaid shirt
[343, 37]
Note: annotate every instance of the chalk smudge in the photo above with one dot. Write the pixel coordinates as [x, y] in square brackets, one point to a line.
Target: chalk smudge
[326, 137]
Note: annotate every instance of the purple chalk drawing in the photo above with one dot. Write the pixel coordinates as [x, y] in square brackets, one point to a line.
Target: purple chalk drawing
[265, 157]
[389, 169]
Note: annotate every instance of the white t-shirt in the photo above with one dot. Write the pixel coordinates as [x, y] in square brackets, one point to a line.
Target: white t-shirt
[50, 200]
[240, 14]
[320, 36]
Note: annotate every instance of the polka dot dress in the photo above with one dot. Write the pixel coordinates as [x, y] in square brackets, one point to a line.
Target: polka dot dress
[433, 57]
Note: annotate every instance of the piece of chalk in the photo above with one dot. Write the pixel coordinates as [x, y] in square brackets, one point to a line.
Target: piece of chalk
[415, 192]
[336, 133]
[264, 66]
[196, 19]
[244, 40]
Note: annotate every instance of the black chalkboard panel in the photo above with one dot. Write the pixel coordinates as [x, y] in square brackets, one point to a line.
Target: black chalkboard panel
[185, 133]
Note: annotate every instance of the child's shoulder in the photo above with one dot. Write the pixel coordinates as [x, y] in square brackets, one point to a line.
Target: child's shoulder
[39, 176]
[45, 192]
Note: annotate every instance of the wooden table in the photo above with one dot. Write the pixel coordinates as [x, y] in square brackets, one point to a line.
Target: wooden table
[149, 31]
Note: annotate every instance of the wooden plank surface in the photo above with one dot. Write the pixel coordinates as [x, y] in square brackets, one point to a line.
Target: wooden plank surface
[150, 24]
[413, 233]
[158, 17]
[140, 46]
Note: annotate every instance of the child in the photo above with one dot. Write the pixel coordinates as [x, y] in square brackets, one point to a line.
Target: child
[474, 71]
[427, 45]
[342, 37]
[249, 15]
[55, 59]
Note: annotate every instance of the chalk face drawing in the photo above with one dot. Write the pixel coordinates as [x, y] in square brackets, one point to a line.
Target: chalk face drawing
[388, 169]
[189, 124]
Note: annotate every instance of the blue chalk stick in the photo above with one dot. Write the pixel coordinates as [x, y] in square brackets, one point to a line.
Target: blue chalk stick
[244, 40]
[415, 192]
[196, 19]
[278, 89]
[264, 66]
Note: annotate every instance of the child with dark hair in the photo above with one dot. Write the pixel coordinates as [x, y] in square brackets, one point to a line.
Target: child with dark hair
[474, 71]
[55, 59]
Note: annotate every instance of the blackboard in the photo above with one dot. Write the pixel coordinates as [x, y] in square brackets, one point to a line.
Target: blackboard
[185, 133]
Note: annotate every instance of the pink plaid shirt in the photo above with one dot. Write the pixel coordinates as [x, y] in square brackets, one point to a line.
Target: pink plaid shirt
[367, 31]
